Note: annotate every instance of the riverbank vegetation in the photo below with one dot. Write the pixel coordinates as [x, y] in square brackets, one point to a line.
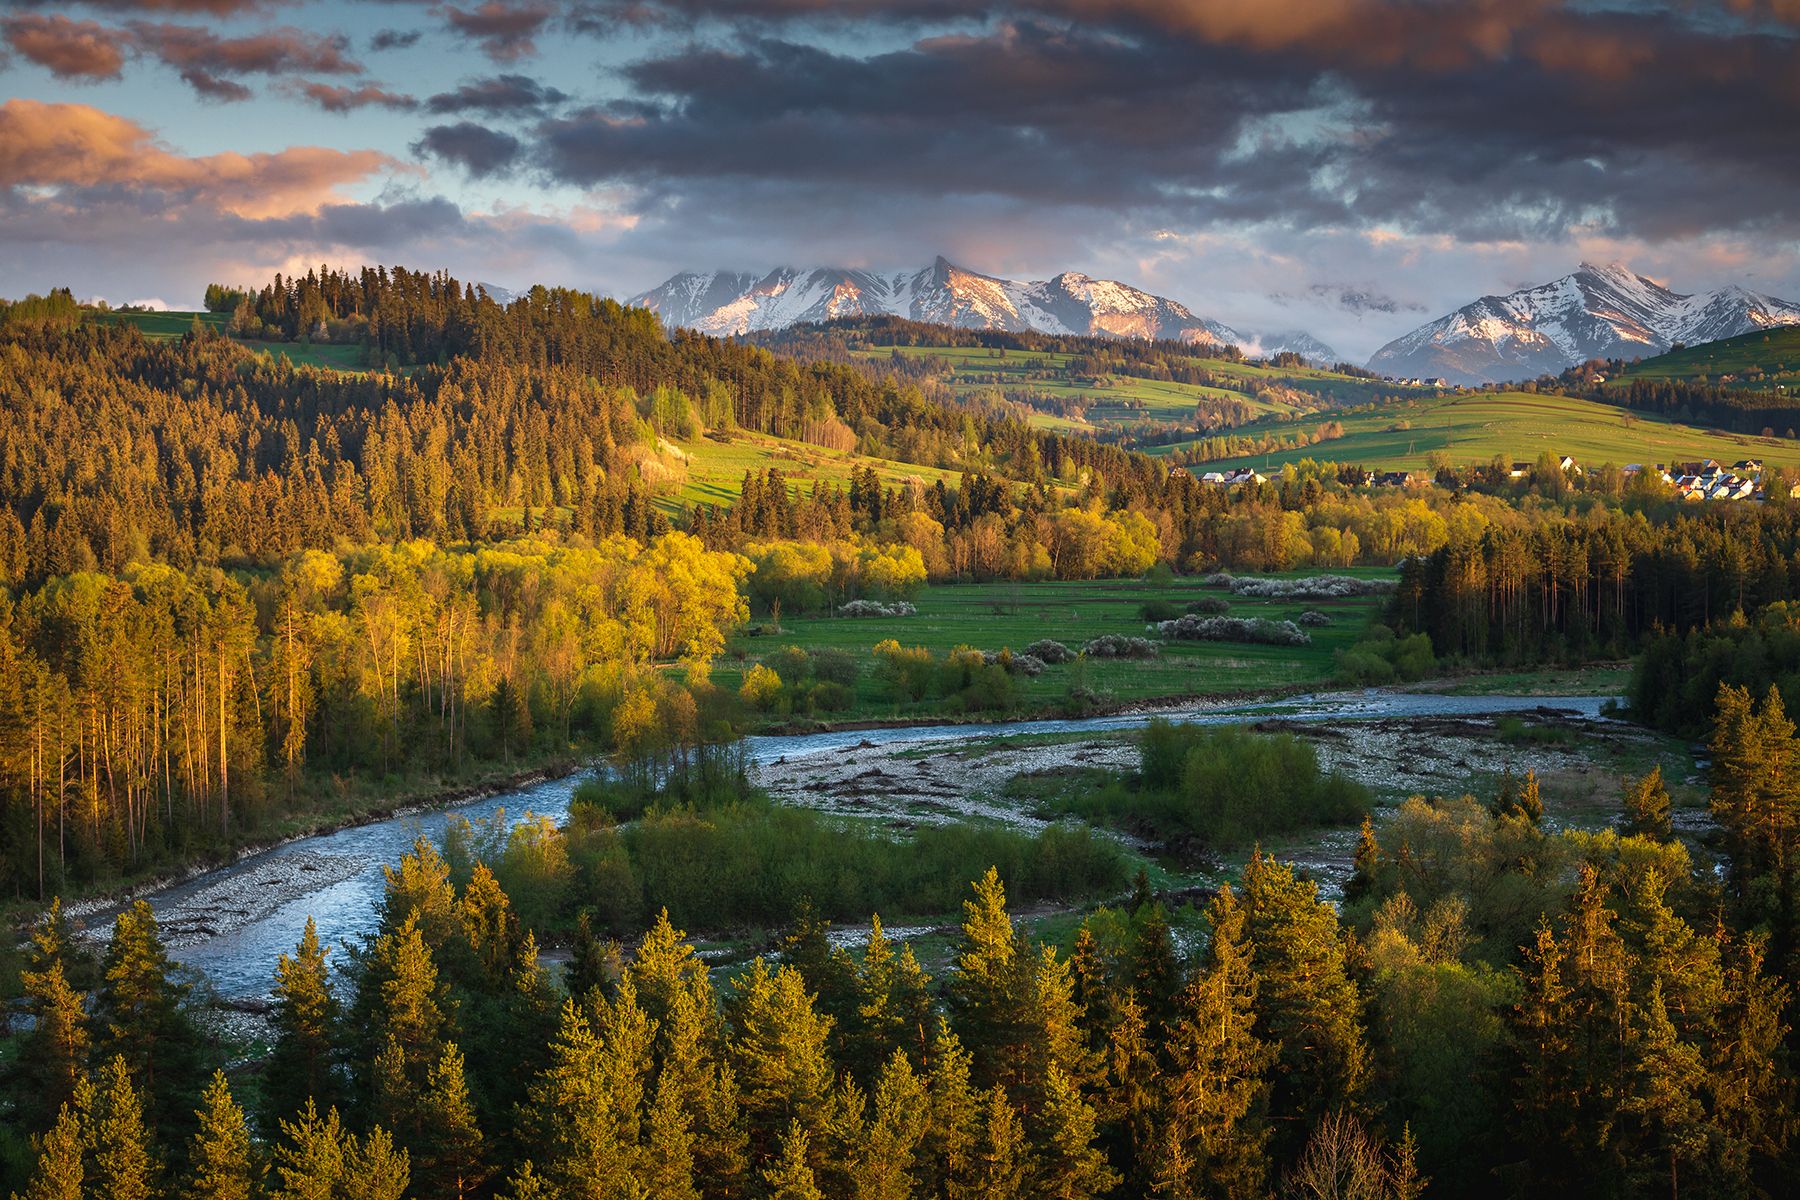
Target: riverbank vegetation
[1200, 787]
[1498, 1008]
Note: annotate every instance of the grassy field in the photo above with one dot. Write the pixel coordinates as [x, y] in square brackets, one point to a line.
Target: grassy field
[1766, 360]
[166, 326]
[1124, 400]
[1517, 426]
[992, 616]
[711, 470]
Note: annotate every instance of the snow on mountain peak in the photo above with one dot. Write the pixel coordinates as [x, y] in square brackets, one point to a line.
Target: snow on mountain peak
[731, 303]
[1598, 311]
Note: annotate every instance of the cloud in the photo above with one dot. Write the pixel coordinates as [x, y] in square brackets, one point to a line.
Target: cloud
[1360, 300]
[191, 47]
[68, 49]
[76, 148]
[478, 150]
[395, 39]
[505, 31]
[345, 99]
[498, 95]
[214, 8]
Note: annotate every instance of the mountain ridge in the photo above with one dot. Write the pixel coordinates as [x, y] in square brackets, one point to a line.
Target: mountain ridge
[1595, 311]
[731, 303]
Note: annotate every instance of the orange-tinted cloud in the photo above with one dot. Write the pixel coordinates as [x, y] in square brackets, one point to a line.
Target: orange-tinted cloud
[68, 49]
[79, 146]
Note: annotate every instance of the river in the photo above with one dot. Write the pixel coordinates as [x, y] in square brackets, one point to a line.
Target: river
[231, 923]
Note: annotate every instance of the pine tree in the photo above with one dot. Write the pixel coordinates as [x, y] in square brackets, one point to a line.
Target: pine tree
[779, 1055]
[374, 1169]
[1646, 807]
[309, 1158]
[1069, 1165]
[1308, 1007]
[891, 1144]
[300, 1066]
[669, 1145]
[140, 1011]
[989, 992]
[61, 1152]
[124, 1167]
[790, 1176]
[220, 1166]
[1215, 1138]
[953, 1120]
[451, 1156]
[1005, 1167]
[52, 1055]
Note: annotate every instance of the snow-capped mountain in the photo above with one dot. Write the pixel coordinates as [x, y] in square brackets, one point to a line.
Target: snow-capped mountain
[727, 303]
[1597, 312]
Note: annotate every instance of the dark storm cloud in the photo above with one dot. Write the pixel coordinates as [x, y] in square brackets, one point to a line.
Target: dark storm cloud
[475, 148]
[1360, 300]
[1483, 119]
[395, 39]
[498, 95]
[504, 29]
[346, 99]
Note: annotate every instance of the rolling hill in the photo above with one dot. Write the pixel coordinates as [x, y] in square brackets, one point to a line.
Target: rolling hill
[1765, 360]
[1517, 426]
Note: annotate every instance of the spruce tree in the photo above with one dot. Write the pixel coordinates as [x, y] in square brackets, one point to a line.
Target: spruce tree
[53, 1054]
[889, 1149]
[1069, 1165]
[301, 1064]
[309, 1156]
[219, 1163]
[124, 1166]
[990, 991]
[1005, 1167]
[60, 1170]
[780, 1055]
[790, 1176]
[953, 1126]
[374, 1168]
[451, 1157]
[1307, 1004]
[1215, 1136]
[1646, 806]
[139, 1009]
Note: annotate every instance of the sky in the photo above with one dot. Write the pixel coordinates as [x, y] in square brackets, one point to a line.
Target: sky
[1347, 167]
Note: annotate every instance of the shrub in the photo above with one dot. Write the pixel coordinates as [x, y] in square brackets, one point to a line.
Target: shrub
[905, 671]
[1314, 618]
[875, 608]
[1379, 657]
[1017, 664]
[1256, 630]
[1313, 587]
[834, 666]
[761, 688]
[1221, 786]
[1112, 645]
[827, 696]
[1159, 610]
[1052, 652]
[1210, 606]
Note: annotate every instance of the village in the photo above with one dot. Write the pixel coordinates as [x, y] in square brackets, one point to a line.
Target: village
[1706, 479]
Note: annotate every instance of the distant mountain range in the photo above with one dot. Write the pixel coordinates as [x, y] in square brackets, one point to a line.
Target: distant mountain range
[729, 302]
[1596, 312]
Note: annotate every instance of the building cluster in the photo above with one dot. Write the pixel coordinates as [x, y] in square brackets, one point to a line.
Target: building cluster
[1703, 480]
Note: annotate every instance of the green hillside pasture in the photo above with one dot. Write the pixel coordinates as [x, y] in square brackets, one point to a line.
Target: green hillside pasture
[1766, 360]
[714, 470]
[166, 326]
[993, 616]
[1517, 426]
[1126, 399]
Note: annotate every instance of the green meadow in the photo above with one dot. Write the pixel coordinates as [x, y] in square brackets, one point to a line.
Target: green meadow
[1765, 360]
[1124, 400]
[1474, 427]
[995, 616]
